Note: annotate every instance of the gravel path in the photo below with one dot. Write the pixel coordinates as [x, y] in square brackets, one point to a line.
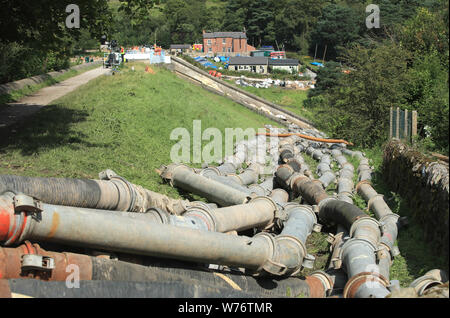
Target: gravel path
[29, 105]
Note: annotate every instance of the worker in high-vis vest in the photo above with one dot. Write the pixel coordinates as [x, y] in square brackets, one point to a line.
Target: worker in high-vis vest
[122, 53]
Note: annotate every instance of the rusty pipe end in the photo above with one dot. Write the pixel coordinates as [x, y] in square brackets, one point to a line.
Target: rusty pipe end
[354, 283]
[320, 284]
[12, 223]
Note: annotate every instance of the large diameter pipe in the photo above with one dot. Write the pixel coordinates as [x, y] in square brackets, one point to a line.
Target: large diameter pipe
[214, 173]
[133, 234]
[115, 194]
[185, 178]
[259, 212]
[99, 268]
[117, 289]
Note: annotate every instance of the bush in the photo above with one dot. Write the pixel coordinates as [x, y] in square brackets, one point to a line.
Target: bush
[18, 61]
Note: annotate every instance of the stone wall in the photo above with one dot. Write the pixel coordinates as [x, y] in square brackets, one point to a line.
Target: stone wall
[424, 183]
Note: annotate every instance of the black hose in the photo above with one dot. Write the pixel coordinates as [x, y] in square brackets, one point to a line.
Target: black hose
[103, 269]
[83, 193]
[120, 289]
[340, 212]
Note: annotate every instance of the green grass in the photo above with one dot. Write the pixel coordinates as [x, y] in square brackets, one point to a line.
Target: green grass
[30, 89]
[122, 122]
[289, 99]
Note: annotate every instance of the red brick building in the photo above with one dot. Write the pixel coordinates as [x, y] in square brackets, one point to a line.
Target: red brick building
[226, 43]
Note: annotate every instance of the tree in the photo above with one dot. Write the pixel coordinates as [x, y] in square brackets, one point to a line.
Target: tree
[327, 78]
[337, 27]
[359, 104]
[41, 23]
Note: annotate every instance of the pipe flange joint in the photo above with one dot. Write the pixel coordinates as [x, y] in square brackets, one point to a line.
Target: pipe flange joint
[372, 199]
[391, 217]
[163, 216]
[304, 208]
[423, 283]
[270, 266]
[365, 219]
[235, 177]
[267, 199]
[354, 283]
[348, 243]
[361, 183]
[325, 279]
[324, 202]
[203, 212]
[307, 260]
[296, 176]
[212, 169]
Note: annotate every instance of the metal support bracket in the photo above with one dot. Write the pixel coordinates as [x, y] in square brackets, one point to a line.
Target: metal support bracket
[37, 262]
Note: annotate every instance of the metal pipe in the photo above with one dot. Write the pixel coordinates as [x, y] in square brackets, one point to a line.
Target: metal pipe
[99, 268]
[365, 235]
[327, 178]
[214, 174]
[132, 233]
[185, 178]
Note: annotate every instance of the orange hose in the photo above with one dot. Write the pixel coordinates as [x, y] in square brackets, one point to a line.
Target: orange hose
[335, 141]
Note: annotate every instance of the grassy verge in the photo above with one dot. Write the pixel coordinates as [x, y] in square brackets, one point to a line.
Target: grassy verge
[122, 122]
[30, 89]
[290, 99]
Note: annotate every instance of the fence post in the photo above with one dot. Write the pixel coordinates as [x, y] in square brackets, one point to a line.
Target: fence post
[390, 122]
[397, 130]
[414, 124]
[406, 130]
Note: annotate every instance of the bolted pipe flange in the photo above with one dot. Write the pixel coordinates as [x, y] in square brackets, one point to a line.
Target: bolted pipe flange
[267, 199]
[235, 177]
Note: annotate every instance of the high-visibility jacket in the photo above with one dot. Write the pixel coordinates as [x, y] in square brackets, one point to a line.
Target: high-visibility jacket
[122, 50]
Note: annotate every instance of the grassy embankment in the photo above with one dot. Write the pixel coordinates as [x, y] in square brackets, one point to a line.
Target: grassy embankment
[121, 122]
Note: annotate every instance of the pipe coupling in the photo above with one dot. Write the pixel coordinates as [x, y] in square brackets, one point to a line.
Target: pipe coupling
[366, 228]
[323, 290]
[204, 213]
[355, 282]
[430, 279]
